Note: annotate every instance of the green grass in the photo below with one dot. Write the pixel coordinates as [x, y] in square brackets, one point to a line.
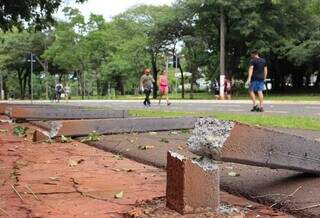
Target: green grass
[290, 122]
[208, 96]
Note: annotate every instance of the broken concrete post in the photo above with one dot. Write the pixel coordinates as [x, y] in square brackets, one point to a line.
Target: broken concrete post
[192, 186]
[251, 145]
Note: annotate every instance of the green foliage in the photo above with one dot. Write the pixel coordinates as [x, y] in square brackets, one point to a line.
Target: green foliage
[20, 131]
[35, 12]
[98, 57]
[65, 139]
[92, 137]
[291, 122]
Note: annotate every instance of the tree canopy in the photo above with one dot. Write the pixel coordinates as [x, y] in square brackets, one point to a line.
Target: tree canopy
[39, 13]
[94, 55]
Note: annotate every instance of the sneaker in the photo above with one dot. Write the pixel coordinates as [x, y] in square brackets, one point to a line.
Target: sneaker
[255, 109]
[169, 104]
[261, 110]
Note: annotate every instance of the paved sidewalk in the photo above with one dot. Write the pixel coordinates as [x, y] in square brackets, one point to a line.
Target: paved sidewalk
[286, 108]
[185, 101]
[70, 180]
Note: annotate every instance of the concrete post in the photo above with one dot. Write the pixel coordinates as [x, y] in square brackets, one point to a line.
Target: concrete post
[192, 187]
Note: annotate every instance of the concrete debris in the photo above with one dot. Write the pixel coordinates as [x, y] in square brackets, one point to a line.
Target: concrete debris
[209, 136]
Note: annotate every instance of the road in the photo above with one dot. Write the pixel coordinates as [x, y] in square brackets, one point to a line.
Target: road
[287, 108]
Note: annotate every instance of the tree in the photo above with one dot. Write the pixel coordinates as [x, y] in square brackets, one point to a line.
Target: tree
[14, 48]
[152, 22]
[36, 12]
[68, 51]
[254, 24]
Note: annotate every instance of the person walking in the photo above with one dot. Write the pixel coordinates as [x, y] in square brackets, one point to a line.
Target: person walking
[258, 72]
[58, 90]
[164, 87]
[67, 92]
[146, 84]
[228, 88]
[216, 89]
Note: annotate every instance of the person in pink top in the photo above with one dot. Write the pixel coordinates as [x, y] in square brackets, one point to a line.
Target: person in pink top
[164, 86]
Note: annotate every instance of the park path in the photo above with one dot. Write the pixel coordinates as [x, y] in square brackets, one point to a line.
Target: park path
[286, 108]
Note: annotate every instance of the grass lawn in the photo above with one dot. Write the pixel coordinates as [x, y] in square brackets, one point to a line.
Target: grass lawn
[208, 96]
[291, 122]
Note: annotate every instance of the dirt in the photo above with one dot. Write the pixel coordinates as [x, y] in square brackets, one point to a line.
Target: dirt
[267, 186]
[231, 206]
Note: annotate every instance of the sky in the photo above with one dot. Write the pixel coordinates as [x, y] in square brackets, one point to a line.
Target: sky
[109, 8]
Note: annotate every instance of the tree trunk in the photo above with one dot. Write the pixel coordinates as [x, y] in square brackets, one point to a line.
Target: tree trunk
[25, 77]
[222, 52]
[80, 84]
[192, 85]
[5, 87]
[98, 83]
[29, 85]
[182, 81]
[155, 74]
[20, 78]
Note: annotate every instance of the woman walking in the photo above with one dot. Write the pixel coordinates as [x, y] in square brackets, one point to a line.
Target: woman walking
[164, 86]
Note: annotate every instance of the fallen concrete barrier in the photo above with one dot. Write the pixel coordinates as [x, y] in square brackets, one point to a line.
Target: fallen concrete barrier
[192, 186]
[77, 128]
[49, 113]
[6, 107]
[251, 145]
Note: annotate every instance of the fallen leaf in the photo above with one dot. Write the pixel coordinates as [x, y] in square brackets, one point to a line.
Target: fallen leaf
[65, 139]
[49, 141]
[116, 170]
[49, 183]
[185, 131]
[73, 163]
[164, 140]
[127, 170]
[118, 195]
[174, 133]
[153, 133]
[147, 211]
[233, 174]
[145, 147]
[118, 157]
[180, 148]
[3, 131]
[22, 163]
[54, 178]
[80, 161]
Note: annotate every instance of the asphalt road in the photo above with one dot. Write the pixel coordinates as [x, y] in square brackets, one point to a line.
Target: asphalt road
[310, 109]
[300, 109]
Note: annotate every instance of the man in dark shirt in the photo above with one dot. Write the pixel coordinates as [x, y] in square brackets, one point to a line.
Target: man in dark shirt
[258, 72]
